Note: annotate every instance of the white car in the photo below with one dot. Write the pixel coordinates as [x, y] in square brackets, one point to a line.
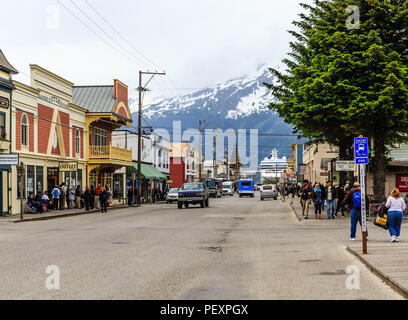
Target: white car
[268, 191]
[172, 196]
[227, 189]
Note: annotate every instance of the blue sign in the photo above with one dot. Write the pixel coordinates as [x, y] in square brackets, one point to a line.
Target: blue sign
[361, 147]
[361, 160]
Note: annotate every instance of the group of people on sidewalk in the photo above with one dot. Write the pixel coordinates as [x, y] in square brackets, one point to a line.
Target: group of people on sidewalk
[329, 195]
[63, 197]
[339, 199]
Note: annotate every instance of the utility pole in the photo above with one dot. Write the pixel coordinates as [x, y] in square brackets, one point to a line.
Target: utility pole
[215, 154]
[227, 165]
[200, 129]
[139, 132]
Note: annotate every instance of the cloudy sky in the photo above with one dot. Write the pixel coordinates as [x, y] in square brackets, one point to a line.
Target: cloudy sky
[197, 42]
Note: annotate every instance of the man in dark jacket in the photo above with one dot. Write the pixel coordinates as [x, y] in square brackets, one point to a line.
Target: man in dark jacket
[341, 194]
[355, 214]
[103, 198]
[306, 196]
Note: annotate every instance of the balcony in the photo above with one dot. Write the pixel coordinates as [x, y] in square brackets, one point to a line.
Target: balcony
[109, 155]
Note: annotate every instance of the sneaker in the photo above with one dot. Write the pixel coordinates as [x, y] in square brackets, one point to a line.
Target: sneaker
[396, 239]
[352, 239]
[393, 239]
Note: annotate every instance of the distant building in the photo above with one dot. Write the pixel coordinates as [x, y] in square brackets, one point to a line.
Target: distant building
[184, 160]
[273, 167]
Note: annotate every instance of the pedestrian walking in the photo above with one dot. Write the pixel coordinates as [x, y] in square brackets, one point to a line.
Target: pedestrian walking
[103, 199]
[291, 192]
[396, 207]
[318, 201]
[109, 195]
[330, 196]
[98, 191]
[306, 196]
[353, 200]
[55, 197]
[341, 194]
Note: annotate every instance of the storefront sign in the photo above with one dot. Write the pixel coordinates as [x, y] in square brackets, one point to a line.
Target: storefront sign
[302, 170]
[9, 159]
[68, 166]
[345, 166]
[4, 102]
[169, 181]
[53, 100]
[324, 174]
[402, 182]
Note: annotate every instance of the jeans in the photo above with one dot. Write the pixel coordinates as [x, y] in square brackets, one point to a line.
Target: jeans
[355, 216]
[318, 208]
[394, 222]
[331, 208]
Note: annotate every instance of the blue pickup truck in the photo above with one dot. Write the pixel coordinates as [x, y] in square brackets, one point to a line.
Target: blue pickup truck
[246, 188]
[193, 193]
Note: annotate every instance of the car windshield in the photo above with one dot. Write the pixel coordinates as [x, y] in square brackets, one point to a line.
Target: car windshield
[267, 187]
[174, 190]
[192, 186]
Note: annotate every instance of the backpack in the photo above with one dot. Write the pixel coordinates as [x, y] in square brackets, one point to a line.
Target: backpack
[55, 193]
[357, 200]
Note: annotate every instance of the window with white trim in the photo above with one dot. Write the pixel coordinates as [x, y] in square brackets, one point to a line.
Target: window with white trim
[24, 130]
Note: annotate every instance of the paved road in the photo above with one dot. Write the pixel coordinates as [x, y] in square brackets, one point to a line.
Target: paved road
[236, 249]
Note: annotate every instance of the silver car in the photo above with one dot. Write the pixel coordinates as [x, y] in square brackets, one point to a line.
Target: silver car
[268, 191]
[172, 196]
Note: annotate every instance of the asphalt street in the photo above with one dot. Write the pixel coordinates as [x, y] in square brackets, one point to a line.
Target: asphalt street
[239, 248]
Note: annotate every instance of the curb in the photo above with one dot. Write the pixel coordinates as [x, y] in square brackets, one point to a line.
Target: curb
[388, 280]
[294, 211]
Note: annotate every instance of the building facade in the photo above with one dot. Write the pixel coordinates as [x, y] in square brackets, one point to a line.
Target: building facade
[184, 164]
[6, 127]
[107, 110]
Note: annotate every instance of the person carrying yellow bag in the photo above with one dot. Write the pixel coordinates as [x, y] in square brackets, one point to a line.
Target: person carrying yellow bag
[396, 207]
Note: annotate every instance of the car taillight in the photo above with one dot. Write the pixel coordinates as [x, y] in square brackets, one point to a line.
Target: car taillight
[274, 190]
[261, 191]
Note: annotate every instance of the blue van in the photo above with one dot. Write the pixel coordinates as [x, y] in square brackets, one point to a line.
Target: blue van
[246, 188]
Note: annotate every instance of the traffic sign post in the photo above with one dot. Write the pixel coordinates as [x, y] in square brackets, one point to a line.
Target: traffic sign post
[361, 155]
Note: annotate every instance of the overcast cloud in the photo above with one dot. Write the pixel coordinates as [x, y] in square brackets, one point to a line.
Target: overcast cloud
[197, 42]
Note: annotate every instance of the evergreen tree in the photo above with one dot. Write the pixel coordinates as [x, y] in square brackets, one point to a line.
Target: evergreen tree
[341, 82]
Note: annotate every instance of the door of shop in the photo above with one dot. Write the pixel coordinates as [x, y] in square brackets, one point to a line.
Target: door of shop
[52, 177]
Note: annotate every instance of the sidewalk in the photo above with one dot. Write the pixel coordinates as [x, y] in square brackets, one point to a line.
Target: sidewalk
[62, 213]
[388, 261]
[297, 209]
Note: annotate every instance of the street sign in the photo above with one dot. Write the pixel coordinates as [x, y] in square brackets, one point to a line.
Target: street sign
[9, 159]
[363, 208]
[361, 160]
[345, 165]
[361, 147]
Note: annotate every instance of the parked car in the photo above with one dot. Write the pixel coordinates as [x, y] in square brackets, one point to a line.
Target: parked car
[218, 188]
[246, 188]
[172, 196]
[268, 191]
[228, 188]
[193, 193]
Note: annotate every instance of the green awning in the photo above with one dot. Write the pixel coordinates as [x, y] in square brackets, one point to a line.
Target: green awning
[148, 172]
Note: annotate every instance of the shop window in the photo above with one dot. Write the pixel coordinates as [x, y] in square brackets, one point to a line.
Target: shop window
[3, 134]
[24, 130]
[30, 179]
[40, 179]
[77, 142]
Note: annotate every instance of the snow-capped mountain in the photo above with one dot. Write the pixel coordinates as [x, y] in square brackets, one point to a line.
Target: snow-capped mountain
[240, 103]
